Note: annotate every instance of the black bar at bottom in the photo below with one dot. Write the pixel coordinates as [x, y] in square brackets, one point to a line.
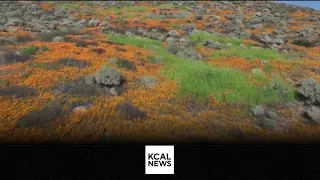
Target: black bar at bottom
[100, 161]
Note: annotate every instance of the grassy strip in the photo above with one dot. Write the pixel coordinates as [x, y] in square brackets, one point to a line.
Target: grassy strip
[69, 6]
[201, 36]
[261, 53]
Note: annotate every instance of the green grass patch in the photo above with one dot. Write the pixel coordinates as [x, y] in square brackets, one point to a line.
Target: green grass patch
[261, 53]
[138, 41]
[200, 79]
[69, 6]
[199, 37]
[156, 59]
[119, 11]
[29, 50]
[305, 42]
[44, 48]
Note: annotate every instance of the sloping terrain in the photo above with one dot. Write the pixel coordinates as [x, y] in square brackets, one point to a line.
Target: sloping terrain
[182, 72]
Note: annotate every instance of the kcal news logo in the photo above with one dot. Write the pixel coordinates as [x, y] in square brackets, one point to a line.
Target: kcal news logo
[159, 160]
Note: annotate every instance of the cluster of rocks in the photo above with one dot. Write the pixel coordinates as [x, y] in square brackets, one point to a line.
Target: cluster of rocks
[33, 18]
[309, 94]
[180, 46]
[268, 118]
[163, 14]
[275, 15]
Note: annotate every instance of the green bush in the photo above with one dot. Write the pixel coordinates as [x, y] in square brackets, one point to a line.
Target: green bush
[48, 36]
[124, 63]
[44, 48]
[303, 42]
[29, 50]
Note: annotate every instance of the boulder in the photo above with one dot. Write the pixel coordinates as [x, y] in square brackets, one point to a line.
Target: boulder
[313, 114]
[258, 111]
[309, 91]
[93, 23]
[174, 34]
[212, 45]
[58, 39]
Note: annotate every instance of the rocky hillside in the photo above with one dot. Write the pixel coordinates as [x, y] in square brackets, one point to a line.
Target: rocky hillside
[150, 71]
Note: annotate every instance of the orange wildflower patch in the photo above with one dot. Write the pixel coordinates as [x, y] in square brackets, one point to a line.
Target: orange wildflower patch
[260, 31]
[281, 66]
[14, 108]
[249, 41]
[299, 14]
[19, 32]
[238, 63]
[295, 28]
[46, 6]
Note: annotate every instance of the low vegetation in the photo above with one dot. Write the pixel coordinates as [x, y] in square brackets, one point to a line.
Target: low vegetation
[201, 80]
[69, 6]
[199, 37]
[48, 36]
[29, 50]
[250, 53]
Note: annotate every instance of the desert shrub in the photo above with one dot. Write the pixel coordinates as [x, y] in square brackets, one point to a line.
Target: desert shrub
[44, 48]
[23, 39]
[124, 63]
[72, 62]
[47, 114]
[156, 59]
[121, 20]
[285, 91]
[80, 87]
[60, 63]
[48, 36]
[10, 57]
[81, 43]
[17, 91]
[150, 16]
[303, 42]
[29, 50]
